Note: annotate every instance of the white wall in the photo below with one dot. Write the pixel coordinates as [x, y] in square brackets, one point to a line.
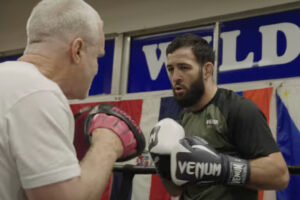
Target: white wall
[139, 16]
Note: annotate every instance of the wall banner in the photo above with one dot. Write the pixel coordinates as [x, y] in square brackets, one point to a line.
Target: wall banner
[260, 48]
[102, 81]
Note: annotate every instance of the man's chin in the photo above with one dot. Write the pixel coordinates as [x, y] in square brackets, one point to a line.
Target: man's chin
[184, 101]
[77, 96]
[180, 101]
[179, 97]
[178, 94]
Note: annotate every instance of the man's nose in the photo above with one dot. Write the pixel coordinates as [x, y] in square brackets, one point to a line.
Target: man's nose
[176, 76]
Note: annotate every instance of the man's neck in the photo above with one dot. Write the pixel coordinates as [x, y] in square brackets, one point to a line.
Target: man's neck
[208, 95]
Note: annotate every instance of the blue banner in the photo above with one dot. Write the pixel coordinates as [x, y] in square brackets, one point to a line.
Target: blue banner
[102, 81]
[147, 70]
[10, 58]
[260, 48]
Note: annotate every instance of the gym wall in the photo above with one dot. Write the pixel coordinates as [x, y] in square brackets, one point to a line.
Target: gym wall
[256, 44]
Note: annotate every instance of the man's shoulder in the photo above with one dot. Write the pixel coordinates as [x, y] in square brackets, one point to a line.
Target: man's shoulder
[229, 95]
[19, 80]
[24, 77]
[227, 99]
[234, 104]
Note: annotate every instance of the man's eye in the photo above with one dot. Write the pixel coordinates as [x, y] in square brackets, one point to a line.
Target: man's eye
[170, 69]
[183, 67]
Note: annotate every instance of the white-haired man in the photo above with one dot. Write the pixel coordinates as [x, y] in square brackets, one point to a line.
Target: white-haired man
[37, 156]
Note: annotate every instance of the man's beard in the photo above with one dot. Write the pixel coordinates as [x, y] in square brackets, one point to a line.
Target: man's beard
[192, 95]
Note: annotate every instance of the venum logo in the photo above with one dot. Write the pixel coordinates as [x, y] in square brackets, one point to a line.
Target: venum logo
[237, 169]
[199, 169]
[212, 122]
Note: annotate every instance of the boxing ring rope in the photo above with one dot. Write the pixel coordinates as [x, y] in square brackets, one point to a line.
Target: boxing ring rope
[128, 172]
[135, 169]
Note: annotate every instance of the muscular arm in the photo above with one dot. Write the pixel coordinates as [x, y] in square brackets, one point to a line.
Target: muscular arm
[268, 172]
[254, 140]
[96, 168]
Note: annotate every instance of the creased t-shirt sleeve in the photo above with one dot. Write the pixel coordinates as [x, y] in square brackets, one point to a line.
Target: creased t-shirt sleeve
[252, 134]
[41, 133]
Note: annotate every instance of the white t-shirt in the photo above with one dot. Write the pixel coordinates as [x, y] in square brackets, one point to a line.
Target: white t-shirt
[36, 131]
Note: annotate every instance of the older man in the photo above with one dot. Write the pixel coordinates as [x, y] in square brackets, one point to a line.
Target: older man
[37, 157]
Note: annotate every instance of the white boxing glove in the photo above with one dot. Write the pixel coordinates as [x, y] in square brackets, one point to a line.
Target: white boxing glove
[163, 137]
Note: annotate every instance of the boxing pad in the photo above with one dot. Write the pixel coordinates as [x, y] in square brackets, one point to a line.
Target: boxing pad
[163, 137]
[194, 161]
[113, 118]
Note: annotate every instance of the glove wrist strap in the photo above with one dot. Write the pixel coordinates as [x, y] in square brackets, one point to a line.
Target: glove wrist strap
[238, 171]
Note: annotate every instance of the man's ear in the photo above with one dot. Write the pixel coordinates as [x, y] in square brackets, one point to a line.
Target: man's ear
[208, 70]
[76, 49]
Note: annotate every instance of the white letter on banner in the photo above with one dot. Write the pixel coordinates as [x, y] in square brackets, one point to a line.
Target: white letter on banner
[207, 38]
[229, 61]
[155, 64]
[269, 43]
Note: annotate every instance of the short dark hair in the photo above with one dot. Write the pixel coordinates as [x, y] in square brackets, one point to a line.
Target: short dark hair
[200, 47]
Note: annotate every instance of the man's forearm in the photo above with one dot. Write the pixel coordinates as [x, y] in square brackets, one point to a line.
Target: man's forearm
[96, 166]
[268, 172]
[96, 169]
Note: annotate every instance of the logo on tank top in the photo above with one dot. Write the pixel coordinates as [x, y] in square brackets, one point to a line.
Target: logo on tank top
[211, 122]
